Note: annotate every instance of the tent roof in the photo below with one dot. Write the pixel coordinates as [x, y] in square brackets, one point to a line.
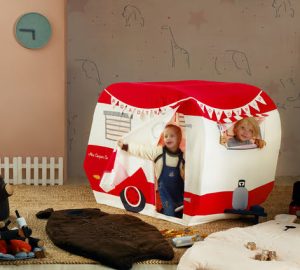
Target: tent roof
[223, 95]
[216, 95]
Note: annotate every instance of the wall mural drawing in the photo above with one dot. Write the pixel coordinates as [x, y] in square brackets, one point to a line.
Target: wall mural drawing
[177, 51]
[90, 70]
[284, 82]
[71, 130]
[283, 7]
[133, 16]
[232, 60]
[293, 100]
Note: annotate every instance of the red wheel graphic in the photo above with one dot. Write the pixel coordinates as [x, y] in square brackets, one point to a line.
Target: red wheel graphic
[133, 199]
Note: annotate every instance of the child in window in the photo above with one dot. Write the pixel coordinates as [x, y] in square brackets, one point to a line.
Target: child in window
[169, 168]
[246, 132]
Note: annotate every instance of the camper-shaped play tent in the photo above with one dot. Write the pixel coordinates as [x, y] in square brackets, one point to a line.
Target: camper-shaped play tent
[216, 177]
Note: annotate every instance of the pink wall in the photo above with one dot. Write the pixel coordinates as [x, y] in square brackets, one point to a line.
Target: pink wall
[33, 84]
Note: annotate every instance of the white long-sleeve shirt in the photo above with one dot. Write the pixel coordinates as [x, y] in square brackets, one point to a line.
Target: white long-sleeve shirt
[151, 153]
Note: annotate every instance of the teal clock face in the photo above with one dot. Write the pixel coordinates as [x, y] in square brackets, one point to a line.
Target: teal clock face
[33, 30]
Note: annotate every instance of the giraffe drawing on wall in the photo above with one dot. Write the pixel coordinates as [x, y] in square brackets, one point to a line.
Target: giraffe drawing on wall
[283, 7]
[90, 70]
[177, 51]
[133, 16]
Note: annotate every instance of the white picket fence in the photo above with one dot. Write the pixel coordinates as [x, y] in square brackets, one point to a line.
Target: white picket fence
[32, 171]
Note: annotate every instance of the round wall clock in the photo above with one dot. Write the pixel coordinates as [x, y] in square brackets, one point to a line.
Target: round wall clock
[33, 30]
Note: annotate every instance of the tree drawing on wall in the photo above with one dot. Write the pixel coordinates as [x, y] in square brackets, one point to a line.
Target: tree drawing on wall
[177, 52]
[132, 16]
[71, 129]
[283, 7]
[232, 60]
[90, 70]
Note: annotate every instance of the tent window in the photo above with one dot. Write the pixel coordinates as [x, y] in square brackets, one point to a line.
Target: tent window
[247, 133]
[116, 125]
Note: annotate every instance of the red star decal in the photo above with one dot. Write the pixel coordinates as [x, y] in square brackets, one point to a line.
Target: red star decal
[197, 18]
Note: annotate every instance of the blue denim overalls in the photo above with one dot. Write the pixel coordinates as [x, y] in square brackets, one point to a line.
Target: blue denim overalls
[171, 186]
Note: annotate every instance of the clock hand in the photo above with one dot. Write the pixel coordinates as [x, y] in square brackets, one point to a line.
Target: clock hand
[32, 31]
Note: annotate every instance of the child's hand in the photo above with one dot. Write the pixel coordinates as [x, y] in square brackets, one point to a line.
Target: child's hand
[120, 143]
[223, 139]
[260, 143]
[123, 146]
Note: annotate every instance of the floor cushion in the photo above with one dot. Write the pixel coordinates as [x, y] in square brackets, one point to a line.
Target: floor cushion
[115, 240]
[227, 249]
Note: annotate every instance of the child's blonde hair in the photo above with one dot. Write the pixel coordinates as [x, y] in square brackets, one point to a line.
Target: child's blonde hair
[253, 122]
[177, 130]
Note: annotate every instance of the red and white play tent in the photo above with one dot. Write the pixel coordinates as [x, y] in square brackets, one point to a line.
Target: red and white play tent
[138, 112]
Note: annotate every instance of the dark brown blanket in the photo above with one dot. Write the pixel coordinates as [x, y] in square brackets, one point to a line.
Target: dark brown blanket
[114, 240]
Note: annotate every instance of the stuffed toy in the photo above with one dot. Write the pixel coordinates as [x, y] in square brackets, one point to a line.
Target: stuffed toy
[12, 241]
[14, 246]
[6, 190]
[15, 243]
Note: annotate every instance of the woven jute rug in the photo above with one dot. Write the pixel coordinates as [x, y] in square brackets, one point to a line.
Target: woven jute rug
[29, 200]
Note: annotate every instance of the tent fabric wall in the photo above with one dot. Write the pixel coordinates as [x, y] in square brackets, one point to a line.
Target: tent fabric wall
[138, 112]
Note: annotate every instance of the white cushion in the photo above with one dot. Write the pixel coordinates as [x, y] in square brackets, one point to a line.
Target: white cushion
[226, 250]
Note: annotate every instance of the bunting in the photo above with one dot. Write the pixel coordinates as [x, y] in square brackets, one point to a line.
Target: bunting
[226, 116]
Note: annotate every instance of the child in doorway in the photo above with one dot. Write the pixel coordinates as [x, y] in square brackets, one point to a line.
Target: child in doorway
[246, 131]
[169, 168]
